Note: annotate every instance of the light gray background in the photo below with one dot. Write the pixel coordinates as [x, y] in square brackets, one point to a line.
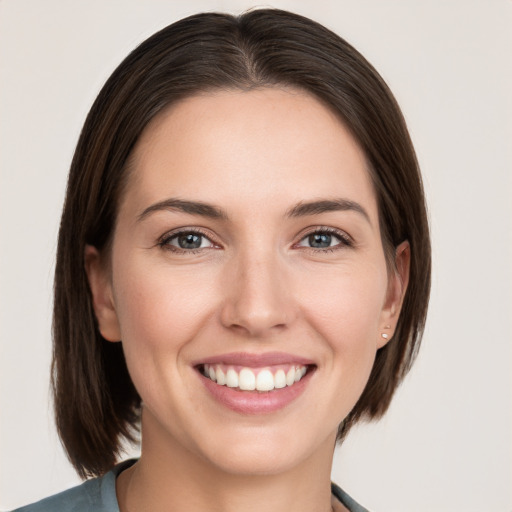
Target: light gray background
[446, 444]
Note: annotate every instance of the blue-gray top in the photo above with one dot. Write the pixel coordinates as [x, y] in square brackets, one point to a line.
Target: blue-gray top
[99, 495]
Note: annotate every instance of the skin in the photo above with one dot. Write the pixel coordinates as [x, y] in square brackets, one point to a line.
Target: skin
[256, 285]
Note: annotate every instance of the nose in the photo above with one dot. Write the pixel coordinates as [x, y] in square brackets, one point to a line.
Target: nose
[258, 302]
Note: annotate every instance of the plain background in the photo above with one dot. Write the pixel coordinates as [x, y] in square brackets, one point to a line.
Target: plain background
[446, 444]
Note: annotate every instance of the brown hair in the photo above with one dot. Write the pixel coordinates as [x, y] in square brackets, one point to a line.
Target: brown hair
[96, 404]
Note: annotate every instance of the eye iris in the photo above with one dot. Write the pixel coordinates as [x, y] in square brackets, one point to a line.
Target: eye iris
[320, 240]
[189, 241]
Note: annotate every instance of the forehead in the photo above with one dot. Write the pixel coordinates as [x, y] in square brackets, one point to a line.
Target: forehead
[262, 147]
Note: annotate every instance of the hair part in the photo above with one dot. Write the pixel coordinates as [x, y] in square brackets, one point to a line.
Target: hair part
[96, 404]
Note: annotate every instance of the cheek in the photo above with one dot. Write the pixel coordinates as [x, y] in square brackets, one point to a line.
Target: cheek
[345, 309]
[346, 298]
[159, 312]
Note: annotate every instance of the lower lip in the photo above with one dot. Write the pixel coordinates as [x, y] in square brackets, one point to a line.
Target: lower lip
[256, 402]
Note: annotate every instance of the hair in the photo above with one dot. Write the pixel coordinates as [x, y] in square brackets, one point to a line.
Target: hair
[97, 407]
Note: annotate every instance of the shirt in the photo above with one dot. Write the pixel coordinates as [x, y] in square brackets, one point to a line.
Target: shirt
[99, 495]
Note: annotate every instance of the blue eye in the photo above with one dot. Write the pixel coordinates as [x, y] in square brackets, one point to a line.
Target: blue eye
[320, 240]
[186, 241]
[189, 241]
[325, 239]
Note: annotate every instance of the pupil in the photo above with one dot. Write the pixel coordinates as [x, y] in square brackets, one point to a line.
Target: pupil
[189, 241]
[320, 240]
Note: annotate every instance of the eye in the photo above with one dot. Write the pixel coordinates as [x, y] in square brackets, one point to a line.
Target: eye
[186, 241]
[325, 238]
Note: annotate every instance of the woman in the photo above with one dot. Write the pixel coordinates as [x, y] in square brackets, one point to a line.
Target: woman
[243, 269]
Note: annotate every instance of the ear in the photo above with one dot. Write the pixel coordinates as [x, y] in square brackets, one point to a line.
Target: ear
[102, 296]
[397, 286]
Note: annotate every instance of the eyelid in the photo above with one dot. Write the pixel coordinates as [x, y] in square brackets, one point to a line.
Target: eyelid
[166, 237]
[345, 239]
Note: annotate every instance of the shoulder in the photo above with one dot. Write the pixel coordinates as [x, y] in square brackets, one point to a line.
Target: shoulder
[95, 495]
[346, 500]
[83, 498]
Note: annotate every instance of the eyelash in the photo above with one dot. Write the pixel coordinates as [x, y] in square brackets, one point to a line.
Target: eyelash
[344, 239]
[164, 241]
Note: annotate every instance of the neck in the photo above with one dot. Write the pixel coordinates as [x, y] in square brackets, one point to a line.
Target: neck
[169, 476]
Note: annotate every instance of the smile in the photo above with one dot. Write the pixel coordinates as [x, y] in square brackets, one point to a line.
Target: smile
[253, 384]
[254, 379]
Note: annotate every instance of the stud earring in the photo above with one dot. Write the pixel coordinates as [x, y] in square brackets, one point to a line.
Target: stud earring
[385, 335]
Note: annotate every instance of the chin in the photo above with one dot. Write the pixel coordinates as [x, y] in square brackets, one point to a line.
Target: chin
[265, 451]
[256, 459]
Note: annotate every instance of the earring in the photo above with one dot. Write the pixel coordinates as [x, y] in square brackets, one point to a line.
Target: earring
[385, 335]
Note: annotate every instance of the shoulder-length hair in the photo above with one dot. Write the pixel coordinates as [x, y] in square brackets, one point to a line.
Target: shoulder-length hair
[96, 404]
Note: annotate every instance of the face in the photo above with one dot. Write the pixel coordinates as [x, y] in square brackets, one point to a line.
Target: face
[247, 253]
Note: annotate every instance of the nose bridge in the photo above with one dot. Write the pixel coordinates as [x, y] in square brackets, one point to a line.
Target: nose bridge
[257, 300]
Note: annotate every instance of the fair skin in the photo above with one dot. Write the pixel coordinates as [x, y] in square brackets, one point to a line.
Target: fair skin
[253, 273]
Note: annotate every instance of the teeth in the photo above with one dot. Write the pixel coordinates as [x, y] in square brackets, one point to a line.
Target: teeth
[280, 379]
[290, 376]
[265, 381]
[231, 378]
[220, 377]
[249, 380]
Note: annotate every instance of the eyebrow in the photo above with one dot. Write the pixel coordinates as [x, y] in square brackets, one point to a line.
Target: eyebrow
[192, 207]
[301, 209]
[327, 205]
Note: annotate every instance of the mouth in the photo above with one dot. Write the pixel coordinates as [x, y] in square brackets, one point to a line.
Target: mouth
[255, 384]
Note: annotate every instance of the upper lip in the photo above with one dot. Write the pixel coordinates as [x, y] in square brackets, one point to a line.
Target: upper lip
[255, 360]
